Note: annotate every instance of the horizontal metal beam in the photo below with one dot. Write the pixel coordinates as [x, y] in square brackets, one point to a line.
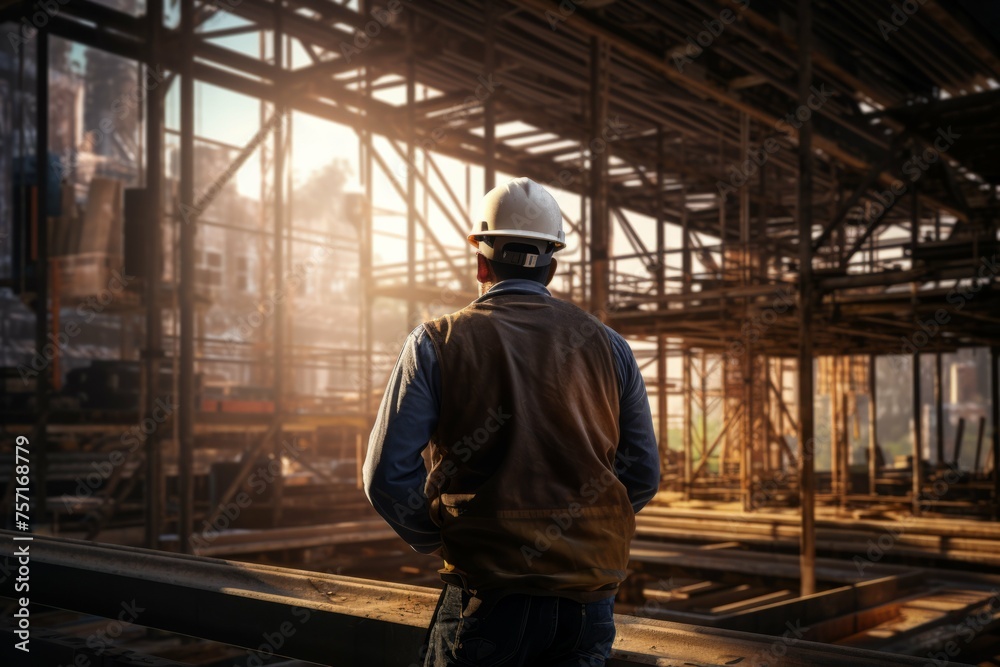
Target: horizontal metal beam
[334, 620]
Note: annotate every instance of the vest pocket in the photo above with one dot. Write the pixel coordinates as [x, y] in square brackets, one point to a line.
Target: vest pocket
[540, 549]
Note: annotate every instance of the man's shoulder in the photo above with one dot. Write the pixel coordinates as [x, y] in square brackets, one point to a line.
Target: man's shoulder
[614, 336]
[441, 321]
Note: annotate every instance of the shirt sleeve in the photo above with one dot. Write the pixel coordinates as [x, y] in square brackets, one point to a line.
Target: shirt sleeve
[637, 461]
[394, 471]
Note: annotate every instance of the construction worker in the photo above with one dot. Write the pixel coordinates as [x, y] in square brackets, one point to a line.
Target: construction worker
[541, 449]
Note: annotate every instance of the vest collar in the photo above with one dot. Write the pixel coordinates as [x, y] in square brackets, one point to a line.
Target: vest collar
[514, 286]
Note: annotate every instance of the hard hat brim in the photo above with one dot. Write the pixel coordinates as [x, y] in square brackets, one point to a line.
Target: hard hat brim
[517, 233]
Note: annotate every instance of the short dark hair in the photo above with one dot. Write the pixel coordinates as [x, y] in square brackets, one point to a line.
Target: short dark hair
[507, 271]
[511, 271]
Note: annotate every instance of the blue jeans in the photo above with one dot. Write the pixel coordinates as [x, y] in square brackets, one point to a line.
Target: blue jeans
[522, 630]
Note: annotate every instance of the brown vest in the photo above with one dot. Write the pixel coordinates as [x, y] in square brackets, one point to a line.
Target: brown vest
[522, 477]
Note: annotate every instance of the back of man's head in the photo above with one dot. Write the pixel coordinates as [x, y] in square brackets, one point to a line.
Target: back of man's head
[518, 231]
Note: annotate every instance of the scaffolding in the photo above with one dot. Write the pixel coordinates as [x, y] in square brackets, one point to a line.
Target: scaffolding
[831, 190]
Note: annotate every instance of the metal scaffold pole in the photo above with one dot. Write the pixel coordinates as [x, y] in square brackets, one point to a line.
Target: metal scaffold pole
[489, 105]
[188, 222]
[661, 289]
[918, 424]
[807, 475]
[872, 425]
[44, 378]
[687, 389]
[367, 278]
[600, 234]
[411, 177]
[153, 276]
[939, 407]
[279, 269]
[995, 412]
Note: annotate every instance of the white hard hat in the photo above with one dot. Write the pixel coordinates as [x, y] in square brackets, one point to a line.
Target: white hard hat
[523, 213]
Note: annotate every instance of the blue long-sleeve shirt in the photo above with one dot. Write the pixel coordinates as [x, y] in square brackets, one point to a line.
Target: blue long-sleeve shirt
[394, 471]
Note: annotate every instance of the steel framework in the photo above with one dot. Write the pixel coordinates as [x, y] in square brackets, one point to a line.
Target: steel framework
[830, 172]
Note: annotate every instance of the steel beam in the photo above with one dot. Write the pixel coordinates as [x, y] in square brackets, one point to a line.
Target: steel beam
[872, 424]
[586, 24]
[959, 434]
[489, 104]
[687, 390]
[430, 191]
[278, 264]
[153, 520]
[918, 437]
[410, 197]
[807, 475]
[333, 620]
[918, 428]
[43, 379]
[832, 372]
[314, 32]
[939, 407]
[186, 387]
[661, 291]
[979, 444]
[419, 219]
[747, 451]
[600, 232]
[735, 415]
[367, 259]
[995, 418]
[870, 179]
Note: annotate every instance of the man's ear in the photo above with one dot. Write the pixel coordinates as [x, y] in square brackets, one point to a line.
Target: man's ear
[552, 271]
[484, 272]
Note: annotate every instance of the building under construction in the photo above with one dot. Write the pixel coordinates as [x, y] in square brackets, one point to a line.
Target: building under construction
[219, 221]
